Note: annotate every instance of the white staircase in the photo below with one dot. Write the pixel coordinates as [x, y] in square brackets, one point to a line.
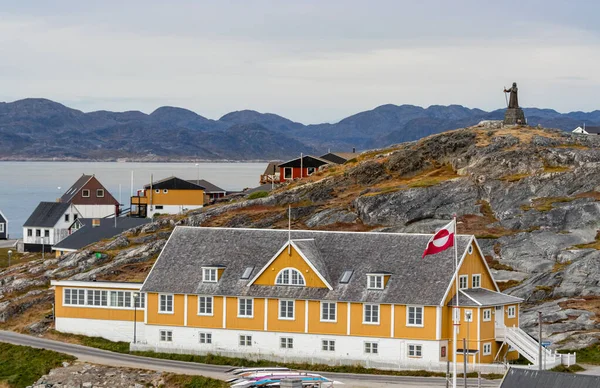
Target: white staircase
[528, 347]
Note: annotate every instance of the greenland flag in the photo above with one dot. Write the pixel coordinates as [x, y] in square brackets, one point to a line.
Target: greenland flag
[442, 240]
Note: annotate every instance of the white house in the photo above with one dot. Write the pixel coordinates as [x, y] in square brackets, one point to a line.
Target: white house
[47, 225]
[587, 130]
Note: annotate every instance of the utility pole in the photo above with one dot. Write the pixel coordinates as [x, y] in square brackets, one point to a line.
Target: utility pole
[540, 338]
[465, 360]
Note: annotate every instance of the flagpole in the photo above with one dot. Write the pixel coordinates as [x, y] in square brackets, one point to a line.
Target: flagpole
[456, 310]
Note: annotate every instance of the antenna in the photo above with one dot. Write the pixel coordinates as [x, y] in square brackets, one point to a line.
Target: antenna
[289, 229]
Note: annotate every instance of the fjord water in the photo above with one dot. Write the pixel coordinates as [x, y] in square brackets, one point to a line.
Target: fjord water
[24, 184]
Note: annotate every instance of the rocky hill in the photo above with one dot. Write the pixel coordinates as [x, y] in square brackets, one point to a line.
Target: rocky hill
[43, 129]
[530, 195]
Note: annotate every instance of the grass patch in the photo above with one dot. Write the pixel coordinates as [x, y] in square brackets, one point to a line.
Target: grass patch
[568, 369]
[498, 266]
[550, 169]
[546, 203]
[508, 284]
[559, 266]
[589, 355]
[546, 289]
[16, 258]
[183, 381]
[514, 177]
[21, 366]
[94, 342]
[258, 194]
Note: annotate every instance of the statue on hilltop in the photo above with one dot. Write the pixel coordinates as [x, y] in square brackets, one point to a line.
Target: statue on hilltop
[514, 100]
[514, 114]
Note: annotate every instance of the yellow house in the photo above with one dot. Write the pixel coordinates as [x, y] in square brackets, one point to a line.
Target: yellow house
[323, 297]
[168, 196]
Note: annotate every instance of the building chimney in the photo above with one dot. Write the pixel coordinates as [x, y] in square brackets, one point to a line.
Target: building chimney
[95, 222]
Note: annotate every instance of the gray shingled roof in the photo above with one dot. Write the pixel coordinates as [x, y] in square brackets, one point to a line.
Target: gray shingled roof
[88, 234]
[310, 250]
[414, 280]
[519, 378]
[208, 187]
[70, 193]
[483, 297]
[47, 214]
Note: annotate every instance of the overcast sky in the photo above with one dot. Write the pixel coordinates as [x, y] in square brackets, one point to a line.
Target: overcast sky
[311, 60]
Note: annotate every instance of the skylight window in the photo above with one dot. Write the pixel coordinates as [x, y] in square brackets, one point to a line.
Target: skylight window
[247, 272]
[346, 276]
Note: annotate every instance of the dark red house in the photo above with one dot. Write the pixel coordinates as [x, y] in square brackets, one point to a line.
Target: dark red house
[300, 167]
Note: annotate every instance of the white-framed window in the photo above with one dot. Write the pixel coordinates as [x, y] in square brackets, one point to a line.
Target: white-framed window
[328, 345]
[371, 313]
[157, 191]
[1, 227]
[205, 305]
[66, 218]
[487, 315]
[286, 309]
[140, 301]
[166, 336]
[38, 233]
[205, 338]
[286, 343]
[85, 193]
[100, 193]
[120, 299]
[245, 340]
[290, 277]
[476, 281]
[97, 298]
[463, 282]
[415, 351]
[165, 305]
[414, 316]
[468, 315]
[470, 249]
[310, 170]
[165, 191]
[371, 347]
[209, 275]
[29, 232]
[74, 297]
[487, 349]
[328, 312]
[511, 311]
[287, 173]
[245, 307]
[375, 282]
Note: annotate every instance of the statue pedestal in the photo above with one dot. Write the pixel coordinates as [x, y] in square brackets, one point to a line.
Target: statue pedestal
[514, 116]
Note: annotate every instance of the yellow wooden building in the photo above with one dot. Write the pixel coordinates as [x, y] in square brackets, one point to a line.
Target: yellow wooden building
[168, 196]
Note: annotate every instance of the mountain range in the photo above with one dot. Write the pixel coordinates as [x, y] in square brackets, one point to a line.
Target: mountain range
[37, 128]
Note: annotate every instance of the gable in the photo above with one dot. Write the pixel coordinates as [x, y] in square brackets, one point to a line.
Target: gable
[305, 161]
[289, 257]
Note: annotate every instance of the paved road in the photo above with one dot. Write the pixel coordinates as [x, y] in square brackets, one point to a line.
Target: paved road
[104, 357]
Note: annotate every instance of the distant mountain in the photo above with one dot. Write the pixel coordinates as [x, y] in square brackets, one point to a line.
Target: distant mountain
[37, 128]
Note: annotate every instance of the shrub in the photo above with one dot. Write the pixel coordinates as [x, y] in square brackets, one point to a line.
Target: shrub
[258, 194]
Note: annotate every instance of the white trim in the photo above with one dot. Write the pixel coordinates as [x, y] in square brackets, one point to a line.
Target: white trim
[293, 318]
[375, 276]
[392, 321]
[483, 314]
[347, 317]
[479, 326]
[486, 264]
[212, 305]
[54, 248]
[415, 350]
[438, 323]
[210, 269]
[291, 173]
[88, 190]
[185, 308]
[290, 277]
[422, 324]
[508, 314]
[468, 296]
[452, 281]
[100, 196]
[266, 315]
[306, 316]
[224, 310]
[89, 284]
[460, 279]
[473, 276]
[321, 311]
[484, 346]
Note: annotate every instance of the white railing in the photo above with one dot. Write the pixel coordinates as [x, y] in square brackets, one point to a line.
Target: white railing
[528, 347]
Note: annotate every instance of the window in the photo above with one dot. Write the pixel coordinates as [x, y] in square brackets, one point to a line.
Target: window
[38, 233]
[371, 347]
[291, 277]
[165, 305]
[46, 233]
[470, 249]
[97, 298]
[375, 282]
[476, 281]
[205, 338]
[120, 299]
[487, 349]
[29, 232]
[286, 309]
[157, 191]
[159, 207]
[140, 301]
[511, 311]
[463, 282]
[165, 191]
[415, 351]
[166, 336]
[287, 173]
[328, 311]
[74, 297]
[328, 345]
[414, 316]
[85, 193]
[209, 275]
[74, 217]
[286, 343]
[346, 276]
[310, 170]
[245, 307]
[66, 218]
[468, 315]
[205, 305]
[245, 340]
[247, 273]
[371, 313]
[487, 315]
[1, 227]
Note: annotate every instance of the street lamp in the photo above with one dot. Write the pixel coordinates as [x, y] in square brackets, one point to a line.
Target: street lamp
[136, 295]
[9, 256]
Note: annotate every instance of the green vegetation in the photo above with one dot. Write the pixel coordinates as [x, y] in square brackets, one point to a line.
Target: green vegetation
[589, 355]
[547, 289]
[258, 194]
[16, 257]
[495, 264]
[594, 244]
[568, 369]
[93, 342]
[559, 266]
[183, 381]
[21, 366]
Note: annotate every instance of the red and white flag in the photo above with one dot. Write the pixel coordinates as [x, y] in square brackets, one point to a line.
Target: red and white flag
[441, 240]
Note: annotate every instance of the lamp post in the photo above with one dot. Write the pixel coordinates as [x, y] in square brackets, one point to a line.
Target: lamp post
[198, 165]
[136, 295]
[9, 256]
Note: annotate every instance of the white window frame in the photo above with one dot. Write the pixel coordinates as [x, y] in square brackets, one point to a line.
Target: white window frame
[206, 312]
[284, 312]
[468, 312]
[126, 297]
[205, 338]
[99, 193]
[165, 191]
[140, 301]
[328, 345]
[462, 278]
[309, 172]
[247, 301]
[415, 323]
[157, 191]
[512, 309]
[371, 307]
[165, 336]
[487, 349]
[478, 277]
[79, 292]
[487, 315]
[326, 311]
[67, 217]
[375, 282]
[291, 170]
[371, 347]
[289, 273]
[207, 275]
[83, 193]
[167, 297]
[245, 340]
[286, 342]
[470, 249]
[414, 351]
[96, 298]
[1, 227]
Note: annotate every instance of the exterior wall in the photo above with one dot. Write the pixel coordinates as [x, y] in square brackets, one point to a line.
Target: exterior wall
[207, 321]
[111, 330]
[296, 173]
[3, 227]
[92, 185]
[293, 260]
[358, 328]
[296, 325]
[402, 330]
[57, 233]
[166, 319]
[176, 197]
[171, 209]
[257, 322]
[96, 211]
[316, 326]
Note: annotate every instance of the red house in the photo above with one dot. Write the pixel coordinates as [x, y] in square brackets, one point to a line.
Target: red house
[300, 167]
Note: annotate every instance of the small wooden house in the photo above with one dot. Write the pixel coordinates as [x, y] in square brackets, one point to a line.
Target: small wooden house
[300, 167]
[3, 226]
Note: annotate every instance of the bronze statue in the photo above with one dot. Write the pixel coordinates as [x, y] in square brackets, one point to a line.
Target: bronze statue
[513, 103]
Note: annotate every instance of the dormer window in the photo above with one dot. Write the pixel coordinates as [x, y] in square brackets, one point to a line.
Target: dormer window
[290, 277]
[375, 282]
[209, 275]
